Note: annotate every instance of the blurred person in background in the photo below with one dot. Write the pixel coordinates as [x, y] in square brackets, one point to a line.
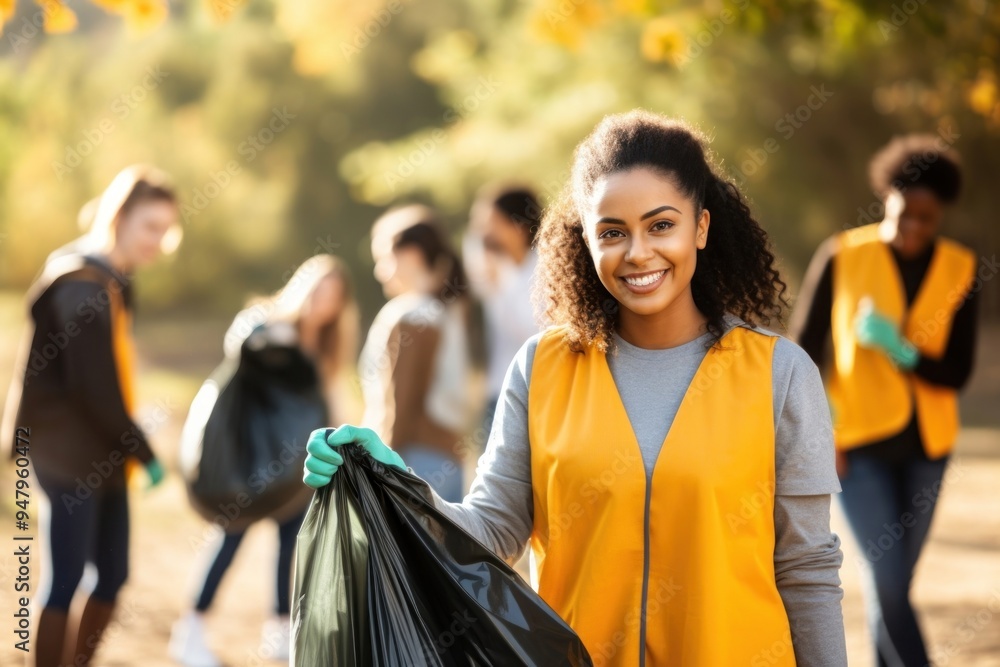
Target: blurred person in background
[75, 390]
[316, 312]
[415, 363]
[897, 298]
[500, 261]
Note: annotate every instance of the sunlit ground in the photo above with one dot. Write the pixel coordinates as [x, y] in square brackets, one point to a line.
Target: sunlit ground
[957, 578]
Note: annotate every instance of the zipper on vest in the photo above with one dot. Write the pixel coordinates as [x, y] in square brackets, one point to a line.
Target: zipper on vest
[645, 571]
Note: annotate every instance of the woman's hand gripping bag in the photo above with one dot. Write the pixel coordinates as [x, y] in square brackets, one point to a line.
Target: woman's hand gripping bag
[382, 578]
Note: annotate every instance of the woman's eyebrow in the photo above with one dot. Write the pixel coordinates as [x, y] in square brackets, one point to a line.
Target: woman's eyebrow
[650, 214]
[658, 210]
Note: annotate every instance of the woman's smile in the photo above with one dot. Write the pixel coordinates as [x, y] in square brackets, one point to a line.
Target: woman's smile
[644, 283]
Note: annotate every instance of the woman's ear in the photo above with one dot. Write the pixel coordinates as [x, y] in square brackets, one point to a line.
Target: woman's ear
[701, 233]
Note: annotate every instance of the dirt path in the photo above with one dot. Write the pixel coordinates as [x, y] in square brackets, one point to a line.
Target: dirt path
[957, 587]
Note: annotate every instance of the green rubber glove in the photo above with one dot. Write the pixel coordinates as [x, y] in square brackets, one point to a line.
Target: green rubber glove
[323, 460]
[876, 332]
[155, 471]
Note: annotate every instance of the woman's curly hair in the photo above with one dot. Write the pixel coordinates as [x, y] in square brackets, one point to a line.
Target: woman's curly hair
[735, 272]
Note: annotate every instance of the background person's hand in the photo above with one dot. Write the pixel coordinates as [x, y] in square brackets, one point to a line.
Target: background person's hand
[874, 331]
[323, 461]
[156, 474]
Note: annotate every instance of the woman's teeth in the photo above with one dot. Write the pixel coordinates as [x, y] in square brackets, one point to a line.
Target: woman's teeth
[645, 280]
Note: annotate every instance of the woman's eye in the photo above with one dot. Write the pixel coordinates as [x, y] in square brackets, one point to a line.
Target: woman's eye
[607, 234]
[662, 225]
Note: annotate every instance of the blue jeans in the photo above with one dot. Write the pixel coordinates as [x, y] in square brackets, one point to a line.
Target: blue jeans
[287, 533]
[440, 471]
[889, 507]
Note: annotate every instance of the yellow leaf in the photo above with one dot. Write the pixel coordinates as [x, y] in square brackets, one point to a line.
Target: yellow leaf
[113, 6]
[566, 22]
[58, 17]
[223, 10]
[142, 16]
[631, 7]
[664, 41]
[983, 94]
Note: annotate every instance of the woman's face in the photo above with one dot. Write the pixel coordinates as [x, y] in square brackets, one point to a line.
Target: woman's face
[325, 303]
[399, 270]
[139, 235]
[916, 216]
[644, 234]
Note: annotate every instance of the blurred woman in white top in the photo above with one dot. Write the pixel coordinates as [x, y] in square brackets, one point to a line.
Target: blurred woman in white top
[414, 367]
[500, 260]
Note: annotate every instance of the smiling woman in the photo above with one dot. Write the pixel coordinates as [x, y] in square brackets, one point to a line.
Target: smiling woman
[644, 207]
[673, 471]
[646, 260]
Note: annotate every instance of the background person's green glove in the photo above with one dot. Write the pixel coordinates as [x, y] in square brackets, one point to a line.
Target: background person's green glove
[155, 471]
[323, 460]
[874, 331]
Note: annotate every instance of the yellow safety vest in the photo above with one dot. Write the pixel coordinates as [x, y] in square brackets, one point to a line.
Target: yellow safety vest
[871, 398]
[681, 572]
[123, 348]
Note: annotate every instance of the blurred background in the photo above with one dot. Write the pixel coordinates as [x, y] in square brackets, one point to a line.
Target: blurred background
[288, 127]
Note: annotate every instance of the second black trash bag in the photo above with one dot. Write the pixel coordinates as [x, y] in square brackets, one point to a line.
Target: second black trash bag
[383, 578]
[243, 442]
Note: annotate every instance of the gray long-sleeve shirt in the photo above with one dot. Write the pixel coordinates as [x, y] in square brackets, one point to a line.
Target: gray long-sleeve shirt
[498, 509]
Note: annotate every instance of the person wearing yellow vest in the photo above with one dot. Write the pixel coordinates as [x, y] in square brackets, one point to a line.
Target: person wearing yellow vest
[669, 462]
[898, 301]
[72, 405]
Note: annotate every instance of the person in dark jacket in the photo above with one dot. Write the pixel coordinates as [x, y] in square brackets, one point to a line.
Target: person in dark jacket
[898, 300]
[73, 399]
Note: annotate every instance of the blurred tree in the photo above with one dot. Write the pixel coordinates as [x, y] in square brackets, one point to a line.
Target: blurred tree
[288, 126]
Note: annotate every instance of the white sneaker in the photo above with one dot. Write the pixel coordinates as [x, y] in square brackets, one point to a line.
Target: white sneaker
[275, 638]
[187, 643]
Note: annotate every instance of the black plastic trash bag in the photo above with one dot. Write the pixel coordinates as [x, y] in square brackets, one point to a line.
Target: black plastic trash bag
[382, 578]
[243, 443]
